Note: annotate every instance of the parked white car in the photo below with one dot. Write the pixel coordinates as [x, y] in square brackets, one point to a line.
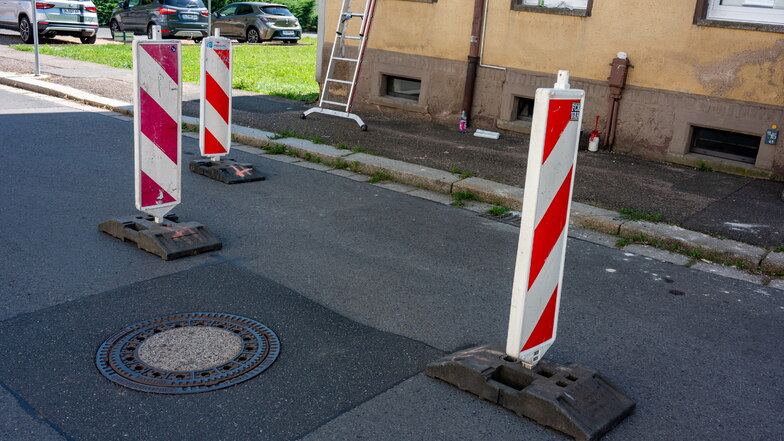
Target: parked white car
[55, 17]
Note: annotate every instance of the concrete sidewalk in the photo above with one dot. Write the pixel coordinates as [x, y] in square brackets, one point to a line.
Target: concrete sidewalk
[735, 220]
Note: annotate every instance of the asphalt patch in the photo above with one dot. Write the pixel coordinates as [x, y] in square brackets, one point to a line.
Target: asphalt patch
[328, 364]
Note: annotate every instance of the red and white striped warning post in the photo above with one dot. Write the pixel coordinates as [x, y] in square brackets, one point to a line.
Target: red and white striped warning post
[215, 107]
[572, 398]
[157, 125]
[215, 116]
[157, 67]
[536, 293]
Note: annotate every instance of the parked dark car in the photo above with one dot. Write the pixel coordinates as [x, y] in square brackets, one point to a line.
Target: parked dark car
[177, 18]
[257, 22]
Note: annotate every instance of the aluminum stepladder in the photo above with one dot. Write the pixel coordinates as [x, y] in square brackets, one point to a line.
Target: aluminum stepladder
[338, 55]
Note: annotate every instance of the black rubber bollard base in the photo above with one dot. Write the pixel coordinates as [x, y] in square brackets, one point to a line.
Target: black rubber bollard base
[572, 399]
[168, 240]
[227, 171]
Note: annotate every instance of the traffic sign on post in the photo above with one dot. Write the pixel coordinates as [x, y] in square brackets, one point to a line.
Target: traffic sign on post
[215, 115]
[157, 66]
[157, 124]
[552, 153]
[571, 398]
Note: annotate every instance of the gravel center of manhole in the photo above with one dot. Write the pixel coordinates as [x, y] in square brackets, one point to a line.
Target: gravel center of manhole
[190, 348]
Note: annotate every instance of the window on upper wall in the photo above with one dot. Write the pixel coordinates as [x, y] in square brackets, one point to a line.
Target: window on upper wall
[747, 11]
[564, 4]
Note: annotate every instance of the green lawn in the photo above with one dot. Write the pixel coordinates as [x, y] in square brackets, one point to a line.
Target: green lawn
[286, 71]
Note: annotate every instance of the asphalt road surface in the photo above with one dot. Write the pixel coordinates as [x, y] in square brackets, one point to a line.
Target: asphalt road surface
[363, 285]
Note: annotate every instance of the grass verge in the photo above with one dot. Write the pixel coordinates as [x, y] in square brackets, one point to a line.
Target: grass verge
[285, 71]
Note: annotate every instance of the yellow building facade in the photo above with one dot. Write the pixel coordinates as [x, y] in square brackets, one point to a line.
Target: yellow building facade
[706, 81]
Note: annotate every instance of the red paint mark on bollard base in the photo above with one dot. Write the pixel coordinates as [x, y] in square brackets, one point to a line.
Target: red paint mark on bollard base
[543, 330]
[152, 193]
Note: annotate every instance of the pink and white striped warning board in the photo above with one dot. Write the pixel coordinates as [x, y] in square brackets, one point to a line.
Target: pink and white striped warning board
[215, 107]
[157, 125]
[536, 293]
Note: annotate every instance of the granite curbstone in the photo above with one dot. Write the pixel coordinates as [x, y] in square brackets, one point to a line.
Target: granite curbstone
[773, 262]
[404, 172]
[327, 154]
[714, 248]
[507, 195]
[595, 218]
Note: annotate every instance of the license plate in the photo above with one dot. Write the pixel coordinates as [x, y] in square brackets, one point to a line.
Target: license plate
[189, 16]
[70, 11]
[287, 32]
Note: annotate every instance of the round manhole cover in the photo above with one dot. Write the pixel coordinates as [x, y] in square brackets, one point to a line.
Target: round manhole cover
[188, 353]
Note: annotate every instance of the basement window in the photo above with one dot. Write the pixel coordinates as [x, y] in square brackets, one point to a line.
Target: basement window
[400, 87]
[724, 144]
[524, 108]
[577, 8]
[564, 4]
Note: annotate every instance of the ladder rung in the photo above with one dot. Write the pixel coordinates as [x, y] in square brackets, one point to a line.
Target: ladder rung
[333, 102]
[353, 14]
[345, 59]
[332, 80]
[351, 37]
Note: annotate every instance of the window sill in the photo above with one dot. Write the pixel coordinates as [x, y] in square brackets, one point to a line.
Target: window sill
[555, 11]
[398, 103]
[740, 25]
[517, 126]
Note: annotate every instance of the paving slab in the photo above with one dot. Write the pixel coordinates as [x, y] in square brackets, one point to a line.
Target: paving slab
[313, 165]
[777, 283]
[434, 196]
[324, 152]
[395, 186]
[593, 236]
[348, 361]
[349, 174]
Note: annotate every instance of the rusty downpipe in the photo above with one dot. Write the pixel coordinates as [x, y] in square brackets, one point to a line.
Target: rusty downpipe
[473, 57]
[617, 81]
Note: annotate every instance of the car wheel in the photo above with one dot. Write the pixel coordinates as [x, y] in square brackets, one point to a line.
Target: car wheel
[252, 36]
[115, 28]
[88, 40]
[197, 40]
[149, 31]
[25, 30]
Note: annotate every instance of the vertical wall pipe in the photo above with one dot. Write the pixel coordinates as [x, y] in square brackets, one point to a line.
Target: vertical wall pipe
[473, 58]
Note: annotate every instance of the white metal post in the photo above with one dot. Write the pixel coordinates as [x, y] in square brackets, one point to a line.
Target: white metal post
[555, 132]
[34, 30]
